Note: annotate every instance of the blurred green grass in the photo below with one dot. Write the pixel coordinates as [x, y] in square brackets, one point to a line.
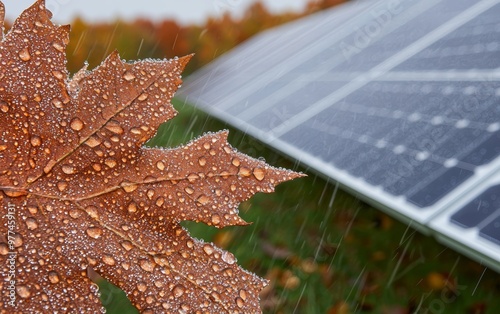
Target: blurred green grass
[325, 251]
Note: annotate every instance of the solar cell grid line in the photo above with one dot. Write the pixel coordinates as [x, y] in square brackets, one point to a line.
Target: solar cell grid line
[386, 66]
[314, 70]
[307, 48]
[361, 58]
[305, 148]
[296, 45]
[206, 97]
[486, 75]
[444, 119]
[391, 146]
[408, 141]
[311, 69]
[479, 37]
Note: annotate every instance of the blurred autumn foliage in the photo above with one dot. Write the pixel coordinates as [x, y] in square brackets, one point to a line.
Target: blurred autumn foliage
[142, 38]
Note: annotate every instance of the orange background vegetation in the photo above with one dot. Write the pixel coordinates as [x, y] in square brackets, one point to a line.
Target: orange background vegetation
[142, 38]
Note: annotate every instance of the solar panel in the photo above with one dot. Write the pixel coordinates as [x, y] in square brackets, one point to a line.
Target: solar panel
[398, 100]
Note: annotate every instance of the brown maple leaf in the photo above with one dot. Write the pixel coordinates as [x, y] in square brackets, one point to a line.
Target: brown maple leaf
[78, 190]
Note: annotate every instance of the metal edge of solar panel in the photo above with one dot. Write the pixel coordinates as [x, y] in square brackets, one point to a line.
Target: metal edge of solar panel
[457, 232]
[252, 84]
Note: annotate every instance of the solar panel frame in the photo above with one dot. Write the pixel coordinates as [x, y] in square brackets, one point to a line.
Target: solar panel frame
[461, 239]
[262, 106]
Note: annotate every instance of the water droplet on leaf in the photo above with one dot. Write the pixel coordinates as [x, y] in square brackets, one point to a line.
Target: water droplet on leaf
[160, 165]
[244, 172]
[128, 76]
[127, 245]
[147, 265]
[4, 249]
[178, 291]
[259, 173]
[23, 292]
[208, 249]
[240, 303]
[35, 141]
[228, 258]
[215, 219]
[31, 223]
[94, 232]
[25, 54]
[67, 169]
[203, 200]
[76, 124]
[202, 161]
[18, 240]
[108, 260]
[54, 277]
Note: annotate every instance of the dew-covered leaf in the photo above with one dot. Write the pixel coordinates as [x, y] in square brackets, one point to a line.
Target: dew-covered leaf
[78, 190]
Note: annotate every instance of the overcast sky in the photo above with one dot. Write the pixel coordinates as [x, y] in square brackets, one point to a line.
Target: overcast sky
[185, 11]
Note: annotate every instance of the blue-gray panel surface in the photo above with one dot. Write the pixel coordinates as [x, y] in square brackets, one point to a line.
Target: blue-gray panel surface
[398, 100]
